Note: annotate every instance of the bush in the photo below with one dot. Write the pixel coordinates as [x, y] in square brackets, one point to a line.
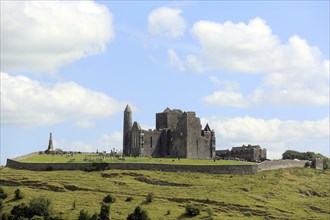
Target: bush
[128, 199]
[3, 195]
[326, 163]
[308, 164]
[18, 194]
[150, 197]
[40, 206]
[109, 199]
[94, 217]
[192, 210]
[21, 211]
[138, 214]
[105, 212]
[83, 215]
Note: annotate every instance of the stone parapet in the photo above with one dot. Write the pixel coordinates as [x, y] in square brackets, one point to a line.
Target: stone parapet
[213, 169]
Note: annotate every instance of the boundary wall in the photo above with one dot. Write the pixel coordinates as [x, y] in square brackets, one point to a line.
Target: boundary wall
[213, 169]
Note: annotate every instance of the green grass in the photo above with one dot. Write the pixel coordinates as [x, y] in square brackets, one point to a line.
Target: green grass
[85, 158]
[280, 194]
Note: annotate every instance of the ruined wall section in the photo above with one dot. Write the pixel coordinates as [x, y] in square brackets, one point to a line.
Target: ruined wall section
[167, 119]
[136, 140]
[178, 143]
[280, 164]
[152, 143]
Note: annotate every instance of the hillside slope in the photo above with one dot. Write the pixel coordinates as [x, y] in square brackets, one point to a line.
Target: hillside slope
[280, 194]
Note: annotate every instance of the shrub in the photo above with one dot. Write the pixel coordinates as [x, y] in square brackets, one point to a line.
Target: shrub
[18, 194]
[192, 210]
[1, 204]
[40, 206]
[21, 211]
[3, 194]
[326, 163]
[109, 199]
[105, 212]
[100, 166]
[128, 199]
[150, 197]
[307, 164]
[83, 215]
[138, 214]
[94, 217]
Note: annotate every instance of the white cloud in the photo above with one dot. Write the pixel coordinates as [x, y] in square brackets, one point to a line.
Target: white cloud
[167, 22]
[194, 64]
[295, 73]
[42, 36]
[226, 98]
[28, 102]
[228, 94]
[274, 134]
[85, 123]
[175, 61]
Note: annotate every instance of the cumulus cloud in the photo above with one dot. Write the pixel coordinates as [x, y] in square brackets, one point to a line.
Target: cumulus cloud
[227, 95]
[226, 98]
[165, 21]
[28, 102]
[294, 72]
[276, 135]
[42, 36]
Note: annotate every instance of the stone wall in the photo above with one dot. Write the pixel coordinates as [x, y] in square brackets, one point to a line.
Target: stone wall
[278, 164]
[47, 166]
[213, 169]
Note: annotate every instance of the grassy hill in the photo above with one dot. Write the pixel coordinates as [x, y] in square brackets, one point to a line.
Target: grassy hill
[298, 193]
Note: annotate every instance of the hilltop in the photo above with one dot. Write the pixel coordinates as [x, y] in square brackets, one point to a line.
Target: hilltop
[296, 193]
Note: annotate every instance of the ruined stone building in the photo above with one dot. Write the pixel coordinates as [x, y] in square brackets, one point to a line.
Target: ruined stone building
[250, 153]
[177, 134]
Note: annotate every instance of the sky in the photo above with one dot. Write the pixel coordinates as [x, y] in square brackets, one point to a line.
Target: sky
[257, 72]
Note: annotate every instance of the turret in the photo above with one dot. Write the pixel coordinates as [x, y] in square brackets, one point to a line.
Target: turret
[127, 131]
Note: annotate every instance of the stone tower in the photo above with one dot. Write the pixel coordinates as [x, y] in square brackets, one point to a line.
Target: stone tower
[50, 144]
[127, 131]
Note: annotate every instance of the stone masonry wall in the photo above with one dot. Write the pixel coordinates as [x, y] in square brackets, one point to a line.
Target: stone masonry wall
[213, 169]
[278, 164]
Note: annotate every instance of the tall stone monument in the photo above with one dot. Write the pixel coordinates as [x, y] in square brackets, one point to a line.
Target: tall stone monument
[50, 148]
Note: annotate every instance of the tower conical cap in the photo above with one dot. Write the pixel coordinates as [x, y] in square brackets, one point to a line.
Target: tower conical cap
[128, 108]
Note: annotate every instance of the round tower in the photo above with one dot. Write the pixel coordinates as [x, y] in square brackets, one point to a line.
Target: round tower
[127, 131]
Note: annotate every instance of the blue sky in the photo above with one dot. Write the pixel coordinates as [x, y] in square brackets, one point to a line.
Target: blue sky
[257, 72]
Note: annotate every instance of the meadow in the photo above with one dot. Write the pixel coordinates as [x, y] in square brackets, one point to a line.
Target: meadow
[297, 193]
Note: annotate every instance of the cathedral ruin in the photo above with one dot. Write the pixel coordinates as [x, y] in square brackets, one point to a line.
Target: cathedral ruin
[178, 134]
